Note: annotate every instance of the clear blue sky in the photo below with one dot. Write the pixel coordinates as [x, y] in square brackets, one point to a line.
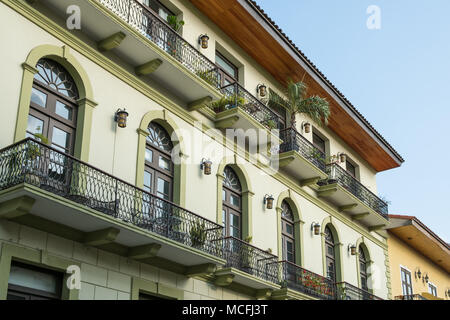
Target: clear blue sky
[398, 77]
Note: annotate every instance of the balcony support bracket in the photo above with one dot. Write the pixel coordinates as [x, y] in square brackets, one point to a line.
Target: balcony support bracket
[101, 237]
[223, 279]
[348, 207]
[148, 68]
[111, 42]
[281, 294]
[200, 103]
[376, 228]
[144, 252]
[308, 182]
[263, 294]
[285, 159]
[17, 207]
[227, 122]
[326, 191]
[200, 270]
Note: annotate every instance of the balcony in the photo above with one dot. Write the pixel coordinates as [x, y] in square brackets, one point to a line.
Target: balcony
[243, 259]
[346, 291]
[239, 109]
[344, 191]
[146, 42]
[300, 158]
[69, 194]
[307, 282]
[410, 297]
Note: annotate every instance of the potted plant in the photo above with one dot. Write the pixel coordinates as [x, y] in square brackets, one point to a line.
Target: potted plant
[198, 234]
[209, 76]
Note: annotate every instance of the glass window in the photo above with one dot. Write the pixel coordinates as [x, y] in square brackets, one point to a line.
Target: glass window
[32, 283]
[350, 168]
[232, 199]
[63, 110]
[163, 189]
[318, 142]
[159, 8]
[228, 73]
[287, 232]
[35, 125]
[164, 163]
[38, 97]
[406, 282]
[148, 155]
[432, 289]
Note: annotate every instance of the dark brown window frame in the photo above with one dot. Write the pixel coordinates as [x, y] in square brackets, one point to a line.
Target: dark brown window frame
[322, 140]
[330, 258]
[406, 285]
[34, 294]
[229, 209]
[286, 236]
[224, 75]
[363, 271]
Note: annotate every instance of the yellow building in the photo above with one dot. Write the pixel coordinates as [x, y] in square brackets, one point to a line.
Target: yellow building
[419, 261]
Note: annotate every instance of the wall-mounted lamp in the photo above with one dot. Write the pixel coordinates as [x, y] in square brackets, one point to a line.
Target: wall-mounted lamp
[425, 278]
[268, 201]
[121, 118]
[417, 273]
[315, 227]
[203, 41]
[352, 249]
[205, 165]
[262, 90]
[342, 157]
[306, 127]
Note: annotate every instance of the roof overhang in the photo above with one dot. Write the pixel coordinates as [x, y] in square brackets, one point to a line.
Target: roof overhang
[245, 23]
[418, 236]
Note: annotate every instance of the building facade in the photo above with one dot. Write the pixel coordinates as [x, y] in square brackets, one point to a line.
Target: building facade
[419, 261]
[140, 160]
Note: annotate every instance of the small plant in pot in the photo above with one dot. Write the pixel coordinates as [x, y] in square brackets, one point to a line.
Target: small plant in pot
[198, 234]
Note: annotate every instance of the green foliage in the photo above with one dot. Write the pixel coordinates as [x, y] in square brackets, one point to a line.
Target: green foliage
[208, 76]
[175, 23]
[198, 234]
[297, 101]
[228, 102]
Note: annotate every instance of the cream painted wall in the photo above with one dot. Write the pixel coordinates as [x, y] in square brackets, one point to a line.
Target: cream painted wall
[115, 151]
[401, 254]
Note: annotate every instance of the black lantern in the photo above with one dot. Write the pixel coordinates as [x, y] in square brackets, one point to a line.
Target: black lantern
[121, 118]
[425, 279]
[352, 249]
[268, 201]
[342, 157]
[206, 166]
[307, 127]
[203, 41]
[316, 228]
[262, 90]
[418, 274]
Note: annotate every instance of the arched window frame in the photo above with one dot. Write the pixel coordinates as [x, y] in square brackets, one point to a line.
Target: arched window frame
[86, 103]
[328, 222]
[288, 232]
[361, 246]
[158, 161]
[53, 92]
[231, 203]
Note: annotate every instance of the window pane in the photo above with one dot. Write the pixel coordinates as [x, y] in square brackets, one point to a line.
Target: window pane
[224, 195]
[60, 138]
[224, 213]
[235, 200]
[33, 279]
[163, 189]
[225, 65]
[147, 181]
[289, 229]
[63, 110]
[235, 232]
[234, 221]
[164, 163]
[319, 142]
[35, 125]
[148, 155]
[38, 97]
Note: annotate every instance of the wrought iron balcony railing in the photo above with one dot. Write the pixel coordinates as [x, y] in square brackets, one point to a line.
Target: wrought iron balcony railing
[164, 36]
[410, 297]
[252, 260]
[235, 96]
[338, 175]
[302, 280]
[32, 162]
[346, 291]
[294, 141]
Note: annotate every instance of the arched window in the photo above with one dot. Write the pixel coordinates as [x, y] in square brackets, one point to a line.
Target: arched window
[232, 204]
[159, 168]
[363, 269]
[287, 232]
[330, 255]
[53, 106]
